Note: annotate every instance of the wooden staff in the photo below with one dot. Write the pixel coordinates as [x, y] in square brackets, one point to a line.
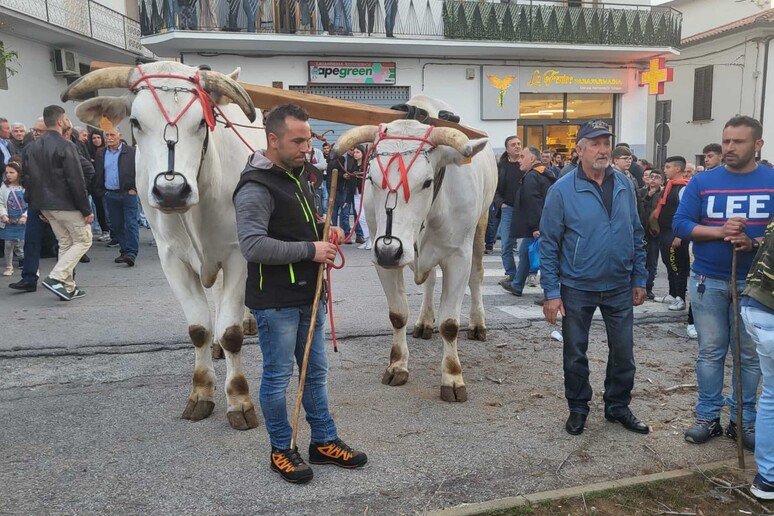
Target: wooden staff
[315, 303]
[737, 364]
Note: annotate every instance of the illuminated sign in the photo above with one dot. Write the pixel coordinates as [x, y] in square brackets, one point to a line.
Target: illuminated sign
[339, 72]
[656, 76]
[574, 80]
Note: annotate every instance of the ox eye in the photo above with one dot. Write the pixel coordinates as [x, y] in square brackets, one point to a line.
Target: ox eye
[135, 124]
[427, 183]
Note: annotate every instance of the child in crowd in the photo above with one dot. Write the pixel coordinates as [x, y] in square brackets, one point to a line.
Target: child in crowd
[13, 214]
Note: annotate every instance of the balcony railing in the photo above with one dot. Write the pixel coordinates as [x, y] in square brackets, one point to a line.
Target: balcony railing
[86, 18]
[476, 20]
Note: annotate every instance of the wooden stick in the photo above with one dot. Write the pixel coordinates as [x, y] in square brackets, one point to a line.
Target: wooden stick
[737, 364]
[315, 303]
[326, 108]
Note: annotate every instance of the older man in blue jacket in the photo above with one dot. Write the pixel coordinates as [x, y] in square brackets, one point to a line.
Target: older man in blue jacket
[592, 255]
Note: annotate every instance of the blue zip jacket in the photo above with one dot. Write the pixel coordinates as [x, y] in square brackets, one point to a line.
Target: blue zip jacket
[583, 247]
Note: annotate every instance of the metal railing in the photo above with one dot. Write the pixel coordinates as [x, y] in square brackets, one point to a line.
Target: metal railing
[580, 22]
[87, 18]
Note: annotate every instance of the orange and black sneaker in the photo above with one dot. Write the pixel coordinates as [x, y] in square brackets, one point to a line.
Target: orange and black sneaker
[289, 464]
[336, 452]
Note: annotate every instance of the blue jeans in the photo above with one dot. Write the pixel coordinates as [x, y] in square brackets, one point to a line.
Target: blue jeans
[714, 319]
[618, 313]
[170, 12]
[760, 326]
[33, 241]
[322, 195]
[390, 10]
[342, 10]
[282, 335]
[507, 242]
[340, 217]
[523, 270]
[492, 225]
[124, 212]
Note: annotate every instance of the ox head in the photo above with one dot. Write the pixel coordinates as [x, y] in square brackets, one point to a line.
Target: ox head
[404, 167]
[170, 107]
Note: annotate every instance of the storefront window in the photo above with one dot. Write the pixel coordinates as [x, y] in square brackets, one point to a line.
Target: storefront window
[589, 105]
[538, 106]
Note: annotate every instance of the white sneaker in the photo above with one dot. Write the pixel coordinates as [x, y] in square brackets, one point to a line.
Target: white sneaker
[365, 245]
[665, 299]
[677, 305]
[691, 331]
[8, 271]
[532, 280]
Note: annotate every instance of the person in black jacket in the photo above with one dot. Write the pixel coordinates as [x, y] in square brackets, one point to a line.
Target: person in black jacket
[527, 211]
[648, 198]
[509, 175]
[56, 186]
[114, 180]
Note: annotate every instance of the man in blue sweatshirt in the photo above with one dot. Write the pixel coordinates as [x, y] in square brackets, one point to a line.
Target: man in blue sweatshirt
[592, 255]
[720, 209]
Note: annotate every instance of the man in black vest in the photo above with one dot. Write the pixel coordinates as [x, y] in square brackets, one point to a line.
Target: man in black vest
[280, 238]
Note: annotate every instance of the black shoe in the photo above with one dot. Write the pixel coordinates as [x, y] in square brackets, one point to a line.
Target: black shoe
[575, 423]
[629, 422]
[509, 288]
[748, 434]
[360, 240]
[24, 286]
[113, 243]
[289, 464]
[85, 259]
[338, 453]
[650, 295]
[129, 260]
[121, 258]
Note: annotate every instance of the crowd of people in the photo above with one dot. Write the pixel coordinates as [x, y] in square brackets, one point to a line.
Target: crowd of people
[597, 224]
[335, 16]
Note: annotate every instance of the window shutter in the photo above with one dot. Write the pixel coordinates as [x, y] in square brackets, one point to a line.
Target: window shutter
[702, 94]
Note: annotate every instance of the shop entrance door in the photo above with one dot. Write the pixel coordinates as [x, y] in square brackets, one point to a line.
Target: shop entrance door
[550, 135]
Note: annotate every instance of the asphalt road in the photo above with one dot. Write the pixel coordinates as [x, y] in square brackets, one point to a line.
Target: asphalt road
[91, 394]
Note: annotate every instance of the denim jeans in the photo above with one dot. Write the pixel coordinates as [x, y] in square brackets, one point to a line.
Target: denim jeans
[618, 313]
[760, 326]
[282, 335]
[651, 260]
[123, 210]
[523, 270]
[33, 242]
[507, 242]
[390, 10]
[322, 196]
[714, 319]
[492, 226]
[342, 20]
[340, 217]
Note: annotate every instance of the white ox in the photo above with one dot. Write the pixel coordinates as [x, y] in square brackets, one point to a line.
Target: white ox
[192, 214]
[442, 222]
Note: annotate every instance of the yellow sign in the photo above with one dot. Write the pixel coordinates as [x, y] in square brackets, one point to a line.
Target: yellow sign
[656, 76]
[501, 85]
[574, 80]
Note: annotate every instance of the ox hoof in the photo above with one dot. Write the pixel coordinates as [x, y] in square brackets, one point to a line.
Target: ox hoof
[196, 410]
[423, 331]
[395, 378]
[454, 393]
[477, 333]
[217, 351]
[249, 327]
[242, 419]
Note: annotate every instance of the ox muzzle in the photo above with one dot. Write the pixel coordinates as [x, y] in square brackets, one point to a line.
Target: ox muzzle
[171, 190]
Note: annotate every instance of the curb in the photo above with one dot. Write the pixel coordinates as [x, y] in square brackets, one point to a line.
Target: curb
[511, 502]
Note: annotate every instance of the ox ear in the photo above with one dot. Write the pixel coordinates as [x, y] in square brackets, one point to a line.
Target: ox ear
[235, 74]
[478, 145]
[114, 109]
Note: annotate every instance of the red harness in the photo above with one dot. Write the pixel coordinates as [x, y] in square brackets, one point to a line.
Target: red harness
[402, 168]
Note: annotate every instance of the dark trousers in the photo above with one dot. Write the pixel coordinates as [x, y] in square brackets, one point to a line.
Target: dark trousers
[366, 11]
[33, 242]
[677, 262]
[492, 224]
[651, 261]
[99, 212]
[618, 313]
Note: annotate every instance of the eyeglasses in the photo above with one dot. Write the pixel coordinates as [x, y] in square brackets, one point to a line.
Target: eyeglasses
[37, 131]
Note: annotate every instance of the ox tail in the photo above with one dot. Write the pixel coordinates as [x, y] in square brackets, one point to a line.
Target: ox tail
[477, 266]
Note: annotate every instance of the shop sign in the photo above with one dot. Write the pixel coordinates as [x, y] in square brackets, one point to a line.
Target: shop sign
[499, 93]
[340, 72]
[573, 80]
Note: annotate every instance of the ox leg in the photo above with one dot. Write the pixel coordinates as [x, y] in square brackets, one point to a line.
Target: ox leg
[229, 328]
[392, 283]
[424, 325]
[188, 289]
[477, 321]
[456, 271]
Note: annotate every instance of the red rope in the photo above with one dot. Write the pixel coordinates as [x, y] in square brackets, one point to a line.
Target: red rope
[334, 239]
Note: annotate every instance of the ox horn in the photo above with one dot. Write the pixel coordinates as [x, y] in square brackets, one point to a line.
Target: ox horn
[216, 82]
[113, 77]
[453, 138]
[354, 136]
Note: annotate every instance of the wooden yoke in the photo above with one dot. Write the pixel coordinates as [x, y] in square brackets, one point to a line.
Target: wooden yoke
[329, 109]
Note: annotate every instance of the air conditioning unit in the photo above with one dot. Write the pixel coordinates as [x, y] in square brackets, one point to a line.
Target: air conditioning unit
[66, 63]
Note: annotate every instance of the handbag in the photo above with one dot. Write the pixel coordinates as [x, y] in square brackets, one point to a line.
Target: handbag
[534, 254]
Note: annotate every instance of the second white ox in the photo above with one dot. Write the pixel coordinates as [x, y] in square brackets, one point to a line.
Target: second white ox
[429, 208]
[186, 174]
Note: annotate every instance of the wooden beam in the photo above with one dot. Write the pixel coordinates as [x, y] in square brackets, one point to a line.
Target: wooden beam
[329, 109]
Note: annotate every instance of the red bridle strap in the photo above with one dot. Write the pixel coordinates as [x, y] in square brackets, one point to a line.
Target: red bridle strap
[398, 157]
